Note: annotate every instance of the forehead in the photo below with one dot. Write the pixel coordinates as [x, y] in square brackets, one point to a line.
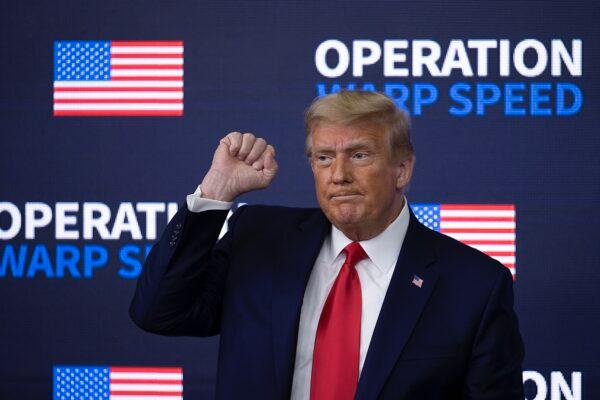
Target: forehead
[344, 135]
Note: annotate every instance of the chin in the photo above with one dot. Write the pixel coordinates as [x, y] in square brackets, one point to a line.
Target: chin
[346, 215]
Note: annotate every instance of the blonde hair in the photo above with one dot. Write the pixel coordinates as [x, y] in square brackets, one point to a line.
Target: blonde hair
[350, 107]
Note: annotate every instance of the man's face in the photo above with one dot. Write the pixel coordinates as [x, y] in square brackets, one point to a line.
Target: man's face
[358, 185]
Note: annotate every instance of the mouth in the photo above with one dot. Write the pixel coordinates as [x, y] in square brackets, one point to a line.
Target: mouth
[345, 196]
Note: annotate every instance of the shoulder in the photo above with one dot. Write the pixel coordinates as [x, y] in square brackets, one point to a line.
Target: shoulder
[287, 213]
[267, 217]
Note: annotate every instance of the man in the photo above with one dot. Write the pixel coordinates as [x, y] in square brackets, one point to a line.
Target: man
[356, 299]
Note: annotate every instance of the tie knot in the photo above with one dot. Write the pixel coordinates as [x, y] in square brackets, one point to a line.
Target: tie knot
[354, 253]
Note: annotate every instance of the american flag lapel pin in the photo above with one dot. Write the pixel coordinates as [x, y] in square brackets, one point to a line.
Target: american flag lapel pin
[418, 282]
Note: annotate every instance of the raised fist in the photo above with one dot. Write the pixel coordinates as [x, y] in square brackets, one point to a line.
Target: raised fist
[241, 163]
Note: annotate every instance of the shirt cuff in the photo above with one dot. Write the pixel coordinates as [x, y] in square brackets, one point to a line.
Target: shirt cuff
[196, 204]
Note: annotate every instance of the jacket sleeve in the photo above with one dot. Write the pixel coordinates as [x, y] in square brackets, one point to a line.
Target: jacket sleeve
[180, 290]
[495, 367]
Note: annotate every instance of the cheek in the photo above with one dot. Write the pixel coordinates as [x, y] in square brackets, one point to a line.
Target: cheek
[321, 179]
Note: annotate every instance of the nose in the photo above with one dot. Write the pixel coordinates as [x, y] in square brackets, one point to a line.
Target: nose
[341, 171]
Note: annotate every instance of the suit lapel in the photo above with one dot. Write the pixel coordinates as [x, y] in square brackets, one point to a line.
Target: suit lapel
[400, 311]
[292, 270]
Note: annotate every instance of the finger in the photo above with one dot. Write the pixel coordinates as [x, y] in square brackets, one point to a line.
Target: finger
[260, 163]
[248, 140]
[235, 142]
[257, 150]
[270, 164]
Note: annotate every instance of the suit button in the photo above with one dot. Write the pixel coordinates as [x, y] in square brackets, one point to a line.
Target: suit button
[175, 231]
[178, 226]
[172, 243]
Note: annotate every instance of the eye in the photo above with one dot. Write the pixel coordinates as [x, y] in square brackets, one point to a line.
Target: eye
[322, 159]
[360, 155]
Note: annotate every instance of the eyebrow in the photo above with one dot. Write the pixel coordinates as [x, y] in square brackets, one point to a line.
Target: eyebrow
[351, 147]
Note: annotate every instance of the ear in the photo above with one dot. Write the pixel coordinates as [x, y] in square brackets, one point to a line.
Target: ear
[405, 170]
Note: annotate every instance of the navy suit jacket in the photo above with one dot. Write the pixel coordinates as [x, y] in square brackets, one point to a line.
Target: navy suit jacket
[456, 337]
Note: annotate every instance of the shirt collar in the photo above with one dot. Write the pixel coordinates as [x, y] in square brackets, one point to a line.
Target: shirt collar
[383, 249]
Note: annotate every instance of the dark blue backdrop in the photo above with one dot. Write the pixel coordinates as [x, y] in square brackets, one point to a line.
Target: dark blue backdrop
[250, 66]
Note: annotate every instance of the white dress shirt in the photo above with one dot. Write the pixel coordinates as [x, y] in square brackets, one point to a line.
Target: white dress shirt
[374, 273]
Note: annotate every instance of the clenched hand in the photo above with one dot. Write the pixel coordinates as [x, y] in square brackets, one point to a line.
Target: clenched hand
[241, 163]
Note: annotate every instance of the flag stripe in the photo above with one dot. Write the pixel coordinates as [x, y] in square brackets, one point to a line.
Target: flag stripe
[157, 387]
[476, 213]
[149, 65]
[159, 370]
[478, 224]
[145, 72]
[117, 89]
[122, 83]
[145, 397]
[476, 230]
[119, 43]
[121, 113]
[504, 259]
[117, 49]
[143, 393]
[488, 237]
[487, 242]
[122, 94]
[494, 247]
[146, 55]
[117, 101]
[114, 106]
[165, 381]
[475, 218]
[146, 78]
[478, 207]
[119, 61]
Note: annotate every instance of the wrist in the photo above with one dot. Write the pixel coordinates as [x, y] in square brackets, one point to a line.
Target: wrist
[214, 187]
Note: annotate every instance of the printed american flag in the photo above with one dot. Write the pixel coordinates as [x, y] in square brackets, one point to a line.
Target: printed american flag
[489, 228]
[118, 78]
[132, 383]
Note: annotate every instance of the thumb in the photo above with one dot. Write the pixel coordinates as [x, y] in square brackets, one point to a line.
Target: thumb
[270, 166]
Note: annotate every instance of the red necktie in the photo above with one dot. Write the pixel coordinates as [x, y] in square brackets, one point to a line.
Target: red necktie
[337, 343]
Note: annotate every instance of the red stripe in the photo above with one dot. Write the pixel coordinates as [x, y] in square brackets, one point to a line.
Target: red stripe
[140, 381]
[147, 55]
[477, 230]
[118, 113]
[145, 393]
[474, 219]
[491, 241]
[146, 78]
[477, 206]
[509, 265]
[144, 101]
[119, 89]
[146, 66]
[499, 253]
[145, 369]
[146, 43]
